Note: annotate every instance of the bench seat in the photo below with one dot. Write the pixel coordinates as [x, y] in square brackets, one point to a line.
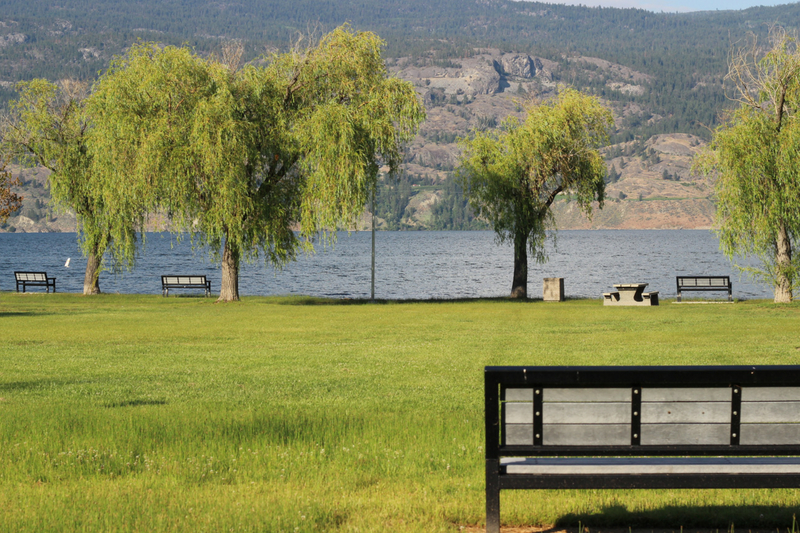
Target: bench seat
[651, 465]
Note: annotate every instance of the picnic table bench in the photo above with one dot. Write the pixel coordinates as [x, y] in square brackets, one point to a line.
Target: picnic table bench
[34, 279]
[704, 283]
[640, 427]
[185, 282]
[630, 294]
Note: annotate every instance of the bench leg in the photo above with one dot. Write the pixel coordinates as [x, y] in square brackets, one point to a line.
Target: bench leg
[492, 496]
[679, 297]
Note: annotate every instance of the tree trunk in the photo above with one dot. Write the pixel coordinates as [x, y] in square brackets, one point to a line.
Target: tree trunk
[91, 280]
[229, 287]
[519, 287]
[783, 260]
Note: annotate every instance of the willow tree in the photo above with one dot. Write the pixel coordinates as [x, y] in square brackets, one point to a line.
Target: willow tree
[239, 157]
[47, 125]
[754, 156]
[513, 175]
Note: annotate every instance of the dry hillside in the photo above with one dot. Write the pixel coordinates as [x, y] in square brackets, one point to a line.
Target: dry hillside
[651, 187]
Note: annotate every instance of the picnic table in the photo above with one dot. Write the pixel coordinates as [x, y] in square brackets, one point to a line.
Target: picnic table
[630, 294]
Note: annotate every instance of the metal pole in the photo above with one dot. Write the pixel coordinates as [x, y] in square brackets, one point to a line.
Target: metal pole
[372, 291]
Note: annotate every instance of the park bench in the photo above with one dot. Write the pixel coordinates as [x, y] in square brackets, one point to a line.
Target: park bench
[34, 279]
[704, 283]
[185, 282]
[640, 427]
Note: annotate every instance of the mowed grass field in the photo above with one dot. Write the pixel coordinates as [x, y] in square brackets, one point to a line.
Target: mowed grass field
[143, 413]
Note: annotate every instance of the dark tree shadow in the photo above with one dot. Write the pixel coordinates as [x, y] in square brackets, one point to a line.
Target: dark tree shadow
[711, 518]
[12, 386]
[8, 314]
[134, 403]
[316, 300]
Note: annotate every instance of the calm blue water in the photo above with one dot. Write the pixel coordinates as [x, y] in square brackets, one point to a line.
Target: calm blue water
[409, 265]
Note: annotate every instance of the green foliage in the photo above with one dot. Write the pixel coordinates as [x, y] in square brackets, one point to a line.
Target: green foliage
[452, 211]
[238, 156]
[392, 200]
[512, 175]
[613, 175]
[48, 125]
[754, 157]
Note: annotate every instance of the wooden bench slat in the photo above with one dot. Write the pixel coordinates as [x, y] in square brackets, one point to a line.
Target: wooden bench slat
[686, 412]
[586, 395]
[519, 395]
[770, 412]
[685, 434]
[519, 413]
[710, 394]
[587, 413]
[766, 394]
[586, 434]
[770, 434]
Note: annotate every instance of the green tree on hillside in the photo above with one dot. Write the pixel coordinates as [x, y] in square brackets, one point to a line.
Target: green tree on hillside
[513, 175]
[754, 157]
[238, 156]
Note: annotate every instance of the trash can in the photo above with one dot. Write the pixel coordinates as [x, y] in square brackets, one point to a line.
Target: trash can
[553, 290]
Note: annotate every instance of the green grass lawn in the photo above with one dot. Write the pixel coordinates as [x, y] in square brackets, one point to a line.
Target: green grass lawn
[143, 413]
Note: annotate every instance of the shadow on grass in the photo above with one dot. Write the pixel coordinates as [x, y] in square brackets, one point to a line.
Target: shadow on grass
[135, 403]
[32, 384]
[713, 517]
[10, 314]
[314, 300]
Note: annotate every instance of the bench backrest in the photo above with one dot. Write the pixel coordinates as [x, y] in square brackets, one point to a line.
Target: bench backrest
[703, 281]
[642, 410]
[183, 280]
[30, 276]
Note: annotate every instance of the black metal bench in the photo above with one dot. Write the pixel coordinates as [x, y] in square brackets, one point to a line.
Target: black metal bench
[34, 279]
[704, 283]
[185, 282]
[640, 427]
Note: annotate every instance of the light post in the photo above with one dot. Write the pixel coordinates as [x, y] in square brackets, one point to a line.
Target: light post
[372, 290]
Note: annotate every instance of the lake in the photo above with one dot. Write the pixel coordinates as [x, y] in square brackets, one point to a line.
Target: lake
[409, 265]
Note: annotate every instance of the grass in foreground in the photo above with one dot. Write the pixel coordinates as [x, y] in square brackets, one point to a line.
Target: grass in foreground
[142, 413]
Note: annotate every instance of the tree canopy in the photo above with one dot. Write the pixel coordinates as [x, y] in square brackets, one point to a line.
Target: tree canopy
[47, 125]
[240, 157]
[754, 156]
[513, 175]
